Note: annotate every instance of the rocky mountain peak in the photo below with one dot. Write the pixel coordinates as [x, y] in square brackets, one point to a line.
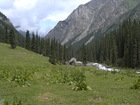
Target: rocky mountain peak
[89, 20]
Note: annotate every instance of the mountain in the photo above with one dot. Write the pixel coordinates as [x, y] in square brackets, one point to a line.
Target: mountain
[5, 27]
[4, 21]
[91, 21]
[132, 14]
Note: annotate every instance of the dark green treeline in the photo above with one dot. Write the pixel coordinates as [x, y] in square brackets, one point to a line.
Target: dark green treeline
[10, 36]
[120, 47]
[57, 53]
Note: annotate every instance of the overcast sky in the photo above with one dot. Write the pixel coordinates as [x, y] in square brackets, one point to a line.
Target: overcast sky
[38, 15]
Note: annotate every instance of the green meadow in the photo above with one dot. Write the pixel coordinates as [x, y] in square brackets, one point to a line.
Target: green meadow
[27, 78]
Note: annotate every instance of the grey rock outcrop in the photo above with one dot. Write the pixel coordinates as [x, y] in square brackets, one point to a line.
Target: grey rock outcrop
[95, 17]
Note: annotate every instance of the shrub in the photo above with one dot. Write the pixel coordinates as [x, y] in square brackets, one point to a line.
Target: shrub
[78, 78]
[80, 86]
[21, 78]
[136, 84]
[71, 77]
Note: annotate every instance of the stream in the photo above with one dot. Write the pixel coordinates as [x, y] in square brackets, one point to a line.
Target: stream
[102, 67]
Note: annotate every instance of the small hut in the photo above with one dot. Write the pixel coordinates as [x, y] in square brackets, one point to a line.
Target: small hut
[73, 61]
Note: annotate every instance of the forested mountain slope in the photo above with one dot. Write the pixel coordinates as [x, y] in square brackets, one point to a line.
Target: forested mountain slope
[120, 47]
[93, 20]
[5, 27]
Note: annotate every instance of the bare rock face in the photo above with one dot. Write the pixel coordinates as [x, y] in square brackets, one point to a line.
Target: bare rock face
[95, 16]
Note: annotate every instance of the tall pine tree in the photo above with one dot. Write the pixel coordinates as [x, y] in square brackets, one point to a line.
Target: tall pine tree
[33, 45]
[27, 41]
[12, 39]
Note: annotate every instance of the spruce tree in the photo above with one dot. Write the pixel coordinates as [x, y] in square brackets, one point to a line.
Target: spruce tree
[114, 54]
[37, 43]
[27, 41]
[84, 54]
[101, 52]
[47, 48]
[2, 38]
[64, 54]
[138, 46]
[60, 53]
[6, 35]
[33, 45]
[42, 46]
[12, 39]
[52, 58]
[134, 53]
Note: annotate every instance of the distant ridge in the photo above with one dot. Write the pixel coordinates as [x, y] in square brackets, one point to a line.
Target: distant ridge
[93, 20]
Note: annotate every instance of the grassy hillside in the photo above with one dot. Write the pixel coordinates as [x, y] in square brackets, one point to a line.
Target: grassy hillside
[20, 57]
[28, 78]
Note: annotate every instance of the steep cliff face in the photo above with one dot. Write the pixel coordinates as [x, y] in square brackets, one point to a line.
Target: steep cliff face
[91, 20]
[104, 16]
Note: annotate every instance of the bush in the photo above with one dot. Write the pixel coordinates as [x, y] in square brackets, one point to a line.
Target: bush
[136, 84]
[71, 77]
[21, 78]
[78, 78]
[80, 86]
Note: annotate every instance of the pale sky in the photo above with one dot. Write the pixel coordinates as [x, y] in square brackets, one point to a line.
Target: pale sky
[38, 15]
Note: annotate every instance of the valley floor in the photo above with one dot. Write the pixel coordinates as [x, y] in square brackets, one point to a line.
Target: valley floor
[108, 88]
[29, 78]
